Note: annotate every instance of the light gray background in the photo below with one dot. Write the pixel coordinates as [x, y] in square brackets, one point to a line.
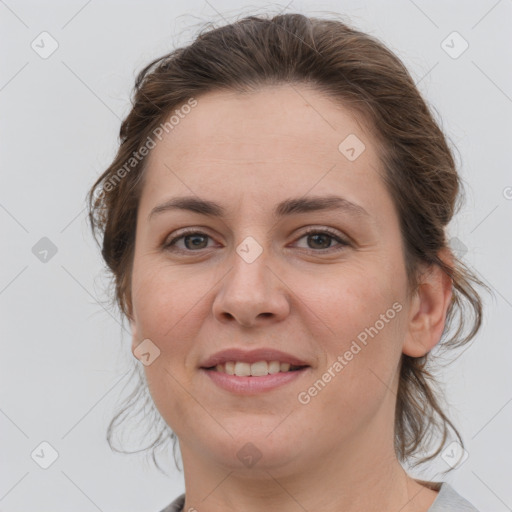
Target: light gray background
[64, 356]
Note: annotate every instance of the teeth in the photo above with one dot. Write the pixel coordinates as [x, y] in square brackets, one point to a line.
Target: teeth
[242, 369]
[273, 367]
[258, 369]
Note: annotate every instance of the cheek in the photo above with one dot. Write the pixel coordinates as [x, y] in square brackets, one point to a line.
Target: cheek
[365, 313]
[352, 301]
[170, 306]
[166, 303]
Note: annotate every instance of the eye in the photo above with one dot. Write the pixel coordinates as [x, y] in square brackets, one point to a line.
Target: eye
[321, 240]
[318, 240]
[192, 240]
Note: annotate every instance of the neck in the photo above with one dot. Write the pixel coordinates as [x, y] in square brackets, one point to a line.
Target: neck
[348, 480]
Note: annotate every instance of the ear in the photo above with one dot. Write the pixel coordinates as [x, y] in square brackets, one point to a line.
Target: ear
[429, 305]
[135, 336]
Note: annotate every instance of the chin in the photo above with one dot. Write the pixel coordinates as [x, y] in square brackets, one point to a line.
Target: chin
[255, 447]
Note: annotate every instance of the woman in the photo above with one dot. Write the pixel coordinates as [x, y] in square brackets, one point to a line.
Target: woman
[275, 224]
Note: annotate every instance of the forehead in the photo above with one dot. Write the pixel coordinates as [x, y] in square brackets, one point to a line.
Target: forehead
[288, 138]
[284, 119]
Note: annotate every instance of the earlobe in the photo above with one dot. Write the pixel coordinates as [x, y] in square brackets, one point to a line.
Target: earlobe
[135, 337]
[130, 316]
[428, 311]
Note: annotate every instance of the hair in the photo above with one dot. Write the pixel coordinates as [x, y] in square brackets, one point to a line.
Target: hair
[359, 72]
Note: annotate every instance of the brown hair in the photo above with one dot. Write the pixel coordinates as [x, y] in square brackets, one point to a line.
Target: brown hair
[359, 72]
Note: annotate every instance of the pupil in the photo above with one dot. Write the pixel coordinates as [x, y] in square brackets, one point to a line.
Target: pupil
[320, 236]
[318, 239]
[195, 239]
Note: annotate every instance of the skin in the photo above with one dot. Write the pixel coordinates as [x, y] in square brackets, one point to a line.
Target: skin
[249, 152]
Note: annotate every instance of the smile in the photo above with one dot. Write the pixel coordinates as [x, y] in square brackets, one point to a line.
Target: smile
[257, 369]
[244, 382]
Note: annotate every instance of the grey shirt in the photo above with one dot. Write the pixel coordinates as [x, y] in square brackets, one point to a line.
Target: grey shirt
[448, 500]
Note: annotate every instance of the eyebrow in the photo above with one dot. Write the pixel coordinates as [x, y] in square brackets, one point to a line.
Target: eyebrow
[285, 208]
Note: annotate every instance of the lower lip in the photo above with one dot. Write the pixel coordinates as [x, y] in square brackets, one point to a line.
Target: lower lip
[253, 385]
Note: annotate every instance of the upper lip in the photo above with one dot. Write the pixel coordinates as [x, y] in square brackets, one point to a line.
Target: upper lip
[251, 356]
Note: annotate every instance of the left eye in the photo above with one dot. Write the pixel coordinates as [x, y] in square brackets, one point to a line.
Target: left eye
[324, 239]
[196, 240]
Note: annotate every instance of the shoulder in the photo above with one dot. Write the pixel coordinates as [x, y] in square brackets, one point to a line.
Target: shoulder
[176, 505]
[449, 500]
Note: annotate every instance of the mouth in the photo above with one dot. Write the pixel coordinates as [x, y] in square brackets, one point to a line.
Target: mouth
[249, 384]
[256, 369]
[243, 372]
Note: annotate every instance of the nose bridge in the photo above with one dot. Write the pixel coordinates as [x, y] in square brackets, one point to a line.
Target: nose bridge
[248, 277]
[250, 289]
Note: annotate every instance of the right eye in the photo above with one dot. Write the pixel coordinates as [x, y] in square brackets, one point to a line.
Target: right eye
[192, 241]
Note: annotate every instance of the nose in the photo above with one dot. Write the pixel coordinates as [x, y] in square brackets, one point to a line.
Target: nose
[252, 294]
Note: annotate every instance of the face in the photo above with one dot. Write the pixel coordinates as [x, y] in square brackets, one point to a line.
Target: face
[270, 273]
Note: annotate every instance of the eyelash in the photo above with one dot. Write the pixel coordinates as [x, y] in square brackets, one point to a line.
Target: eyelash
[312, 231]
